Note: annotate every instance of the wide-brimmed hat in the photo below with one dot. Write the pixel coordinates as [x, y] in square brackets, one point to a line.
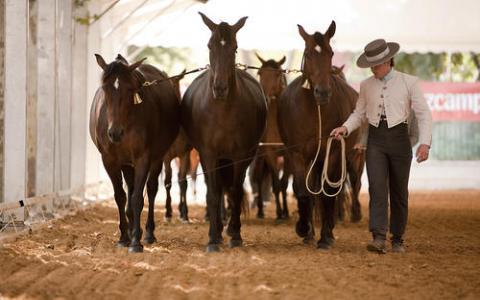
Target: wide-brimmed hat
[377, 52]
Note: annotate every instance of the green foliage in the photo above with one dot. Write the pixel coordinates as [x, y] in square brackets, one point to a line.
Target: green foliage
[427, 66]
[165, 59]
[457, 67]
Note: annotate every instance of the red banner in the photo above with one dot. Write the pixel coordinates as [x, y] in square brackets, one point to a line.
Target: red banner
[453, 101]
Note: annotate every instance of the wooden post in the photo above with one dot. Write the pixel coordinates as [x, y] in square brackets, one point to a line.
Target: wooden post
[2, 94]
[46, 98]
[79, 102]
[93, 167]
[16, 12]
[64, 21]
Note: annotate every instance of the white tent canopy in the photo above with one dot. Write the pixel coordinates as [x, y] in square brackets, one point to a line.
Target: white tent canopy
[426, 25]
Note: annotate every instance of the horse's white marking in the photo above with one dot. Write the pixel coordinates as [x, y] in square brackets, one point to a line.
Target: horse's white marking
[222, 42]
[116, 84]
[318, 49]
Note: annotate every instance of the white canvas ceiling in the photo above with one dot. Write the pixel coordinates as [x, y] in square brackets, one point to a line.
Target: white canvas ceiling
[418, 25]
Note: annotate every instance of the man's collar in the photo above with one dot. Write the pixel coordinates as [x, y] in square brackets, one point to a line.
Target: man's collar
[388, 76]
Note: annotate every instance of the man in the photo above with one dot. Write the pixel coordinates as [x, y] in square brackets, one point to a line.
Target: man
[385, 101]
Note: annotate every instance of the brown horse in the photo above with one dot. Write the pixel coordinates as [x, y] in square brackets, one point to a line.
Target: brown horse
[299, 129]
[223, 113]
[181, 149]
[355, 166]
[133, 126]
[267, 162]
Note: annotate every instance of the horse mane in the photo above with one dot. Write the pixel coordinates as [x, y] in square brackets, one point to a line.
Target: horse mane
[344, 93]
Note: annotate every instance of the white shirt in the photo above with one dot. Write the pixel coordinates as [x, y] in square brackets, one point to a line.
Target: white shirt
[396, 96]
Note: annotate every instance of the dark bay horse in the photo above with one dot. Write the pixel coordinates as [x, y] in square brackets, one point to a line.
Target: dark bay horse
[133, 126]
[223, 113]
[180, 148]
[267, 162]
[299, 129]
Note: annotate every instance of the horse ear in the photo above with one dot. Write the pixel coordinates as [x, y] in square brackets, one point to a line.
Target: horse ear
[212, 26]
[180, 77]
[123, 59]
[282, 61]
[236, 27]
[100, 61]
[302, 32]
[136, 65]
[331, 30]
[260, 59]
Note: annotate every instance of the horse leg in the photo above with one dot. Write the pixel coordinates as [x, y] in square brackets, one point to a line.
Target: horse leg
[272, 169]
[115, 174]
[214, 194]
[129, 175]
[304, 226]
[328, 220]
[328, 213]
[284, 186]
[182, 182]
[167, 182]
[257, 174]
[237, 196]
[141, 173]
[356, 182]
[340, 205]
[152, 189]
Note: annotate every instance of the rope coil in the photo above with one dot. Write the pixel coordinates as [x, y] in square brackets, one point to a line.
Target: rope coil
[324, 176]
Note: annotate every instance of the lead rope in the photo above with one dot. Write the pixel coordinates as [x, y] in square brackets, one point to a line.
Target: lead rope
[324, 177]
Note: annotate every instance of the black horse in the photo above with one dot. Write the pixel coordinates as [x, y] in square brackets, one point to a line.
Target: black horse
[223, 113]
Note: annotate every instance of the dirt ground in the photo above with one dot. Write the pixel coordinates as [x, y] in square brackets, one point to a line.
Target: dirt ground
[75, 258]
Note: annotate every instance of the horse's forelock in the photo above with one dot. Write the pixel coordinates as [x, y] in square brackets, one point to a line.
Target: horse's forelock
[114, 69]
[271, 64]
[225, 31]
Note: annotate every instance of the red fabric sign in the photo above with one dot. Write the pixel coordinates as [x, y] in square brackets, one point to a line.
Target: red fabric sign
[453, 101]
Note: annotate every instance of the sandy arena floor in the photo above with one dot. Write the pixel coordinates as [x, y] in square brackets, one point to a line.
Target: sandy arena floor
[75, 258]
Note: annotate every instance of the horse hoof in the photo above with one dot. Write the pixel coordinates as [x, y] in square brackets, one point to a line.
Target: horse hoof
[355, 218]
[150, 240]
[303, 230]
[168, 219]
[135, 249]
[212, 248]
[260, 216]
[326, 244]
[123, 243]
[184, 220]
[235, 243]
[308, 240]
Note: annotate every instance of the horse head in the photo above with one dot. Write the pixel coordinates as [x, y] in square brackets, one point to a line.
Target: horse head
[272, 78]
[317, 62]
[223, 46]
[120, 83]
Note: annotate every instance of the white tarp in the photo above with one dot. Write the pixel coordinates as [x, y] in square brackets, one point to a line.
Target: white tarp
[418, 25]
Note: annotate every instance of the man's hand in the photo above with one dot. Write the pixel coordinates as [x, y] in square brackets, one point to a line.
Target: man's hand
[422, 152]
[339, 131]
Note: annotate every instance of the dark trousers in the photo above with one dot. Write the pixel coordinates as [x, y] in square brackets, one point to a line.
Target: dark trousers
[389, 156]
